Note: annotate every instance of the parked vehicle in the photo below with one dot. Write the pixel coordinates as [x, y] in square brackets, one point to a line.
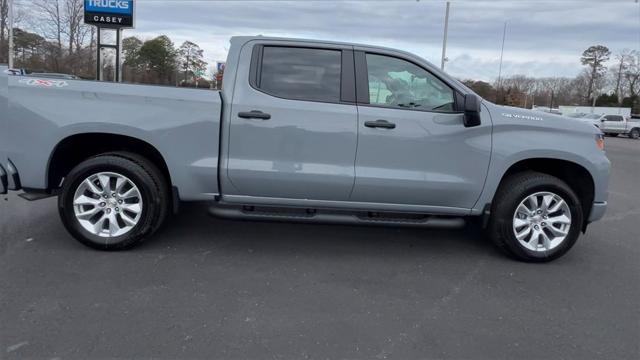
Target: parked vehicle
[307, 131]
[547, 110]
[614, 125]
[55, 76]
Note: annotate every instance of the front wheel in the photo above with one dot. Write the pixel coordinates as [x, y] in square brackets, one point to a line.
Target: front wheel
[535, 217]
[113, 201]
[634, 134]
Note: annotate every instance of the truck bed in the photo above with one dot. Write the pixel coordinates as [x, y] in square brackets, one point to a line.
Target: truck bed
[183, 124]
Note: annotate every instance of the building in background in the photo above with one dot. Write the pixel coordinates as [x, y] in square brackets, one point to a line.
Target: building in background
[602, 110]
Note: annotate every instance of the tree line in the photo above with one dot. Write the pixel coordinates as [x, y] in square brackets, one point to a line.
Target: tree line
[618, 85]
[57, 40]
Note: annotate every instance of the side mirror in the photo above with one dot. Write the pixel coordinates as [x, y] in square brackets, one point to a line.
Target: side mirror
[471, 110]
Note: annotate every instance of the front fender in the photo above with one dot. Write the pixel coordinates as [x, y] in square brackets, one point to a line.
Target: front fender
[515, 143]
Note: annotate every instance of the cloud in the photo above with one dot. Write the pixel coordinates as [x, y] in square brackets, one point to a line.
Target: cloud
[544, 38]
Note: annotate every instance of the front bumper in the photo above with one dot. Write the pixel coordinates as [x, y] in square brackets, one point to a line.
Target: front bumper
[597, 211]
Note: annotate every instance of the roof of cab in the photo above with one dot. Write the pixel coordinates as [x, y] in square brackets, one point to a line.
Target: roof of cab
[245, 39]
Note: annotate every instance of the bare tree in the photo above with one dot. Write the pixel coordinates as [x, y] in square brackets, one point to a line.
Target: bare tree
[4, 29]
[618, 70]
[49, 19]
[191, 59]
[632, 76]
[72, 21]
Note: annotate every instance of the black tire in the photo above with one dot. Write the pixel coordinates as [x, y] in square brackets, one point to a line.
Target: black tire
[510, 194]
[635, 133]
[154, 191]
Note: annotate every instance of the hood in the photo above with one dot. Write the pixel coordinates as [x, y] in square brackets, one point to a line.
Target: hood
[530, 118]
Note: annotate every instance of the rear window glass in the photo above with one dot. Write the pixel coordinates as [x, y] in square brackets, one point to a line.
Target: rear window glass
[301, 73]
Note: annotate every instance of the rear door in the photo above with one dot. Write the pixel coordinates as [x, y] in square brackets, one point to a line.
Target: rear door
[413, 148]
[614, 123]
[293, 127]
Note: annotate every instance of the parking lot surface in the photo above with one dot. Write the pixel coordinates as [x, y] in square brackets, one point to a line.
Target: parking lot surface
[210, 288]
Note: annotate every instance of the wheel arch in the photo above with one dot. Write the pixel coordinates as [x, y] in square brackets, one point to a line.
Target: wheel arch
[577, 177]
[67, 154]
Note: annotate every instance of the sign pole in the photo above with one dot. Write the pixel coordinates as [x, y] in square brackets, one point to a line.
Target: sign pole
[98, 56]
[118, 74]
[113, 15]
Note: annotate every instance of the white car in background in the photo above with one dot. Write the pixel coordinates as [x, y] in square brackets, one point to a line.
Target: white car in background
[614, 125]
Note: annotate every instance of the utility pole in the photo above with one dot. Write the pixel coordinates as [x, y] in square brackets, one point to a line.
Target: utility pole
[618, 92]
[10, 34]
[504, 34]
[444, 40]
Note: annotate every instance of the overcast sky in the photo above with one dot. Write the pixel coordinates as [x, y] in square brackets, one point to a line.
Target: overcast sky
[544, 38]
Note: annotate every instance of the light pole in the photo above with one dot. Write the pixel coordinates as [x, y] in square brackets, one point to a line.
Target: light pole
[504, 34]
[10, 34]
[444, 40]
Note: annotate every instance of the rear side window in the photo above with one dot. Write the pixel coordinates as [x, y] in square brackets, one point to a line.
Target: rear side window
[301, 73]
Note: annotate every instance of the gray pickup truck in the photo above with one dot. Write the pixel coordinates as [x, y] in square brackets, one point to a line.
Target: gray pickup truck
[309, 131]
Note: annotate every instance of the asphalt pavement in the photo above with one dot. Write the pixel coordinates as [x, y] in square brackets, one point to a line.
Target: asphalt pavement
[205, 288]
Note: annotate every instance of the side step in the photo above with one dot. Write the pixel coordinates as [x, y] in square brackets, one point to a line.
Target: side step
[264, 213]
[36, 195]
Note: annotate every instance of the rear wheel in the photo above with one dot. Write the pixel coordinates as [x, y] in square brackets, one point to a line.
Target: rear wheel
[635, 133]
[113, 201]
[535, 217]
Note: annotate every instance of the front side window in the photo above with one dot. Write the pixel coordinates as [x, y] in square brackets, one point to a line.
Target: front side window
[398, 83]
[613, 118]
[301, 73]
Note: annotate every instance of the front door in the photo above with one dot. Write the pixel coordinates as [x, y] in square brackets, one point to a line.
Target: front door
[412, 146]
[293, 127]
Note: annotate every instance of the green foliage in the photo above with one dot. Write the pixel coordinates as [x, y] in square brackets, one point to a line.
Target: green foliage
[191, 59]
[482, 88]
[607, 100]
[595, 56]
[158, 55]
[630, 101]
[131, 51]
[26, 41]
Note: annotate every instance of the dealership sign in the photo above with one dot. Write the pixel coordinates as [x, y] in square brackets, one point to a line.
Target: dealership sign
[109, 13]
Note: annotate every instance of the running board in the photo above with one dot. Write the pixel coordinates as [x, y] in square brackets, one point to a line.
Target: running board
[33, 196]
[335, 217]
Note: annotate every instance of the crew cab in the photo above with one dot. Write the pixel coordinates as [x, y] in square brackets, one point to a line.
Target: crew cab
[304, 131]
[614, 125]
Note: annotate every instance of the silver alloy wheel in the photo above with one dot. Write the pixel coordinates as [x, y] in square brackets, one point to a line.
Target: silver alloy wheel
[542, 221]
[107, 204]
